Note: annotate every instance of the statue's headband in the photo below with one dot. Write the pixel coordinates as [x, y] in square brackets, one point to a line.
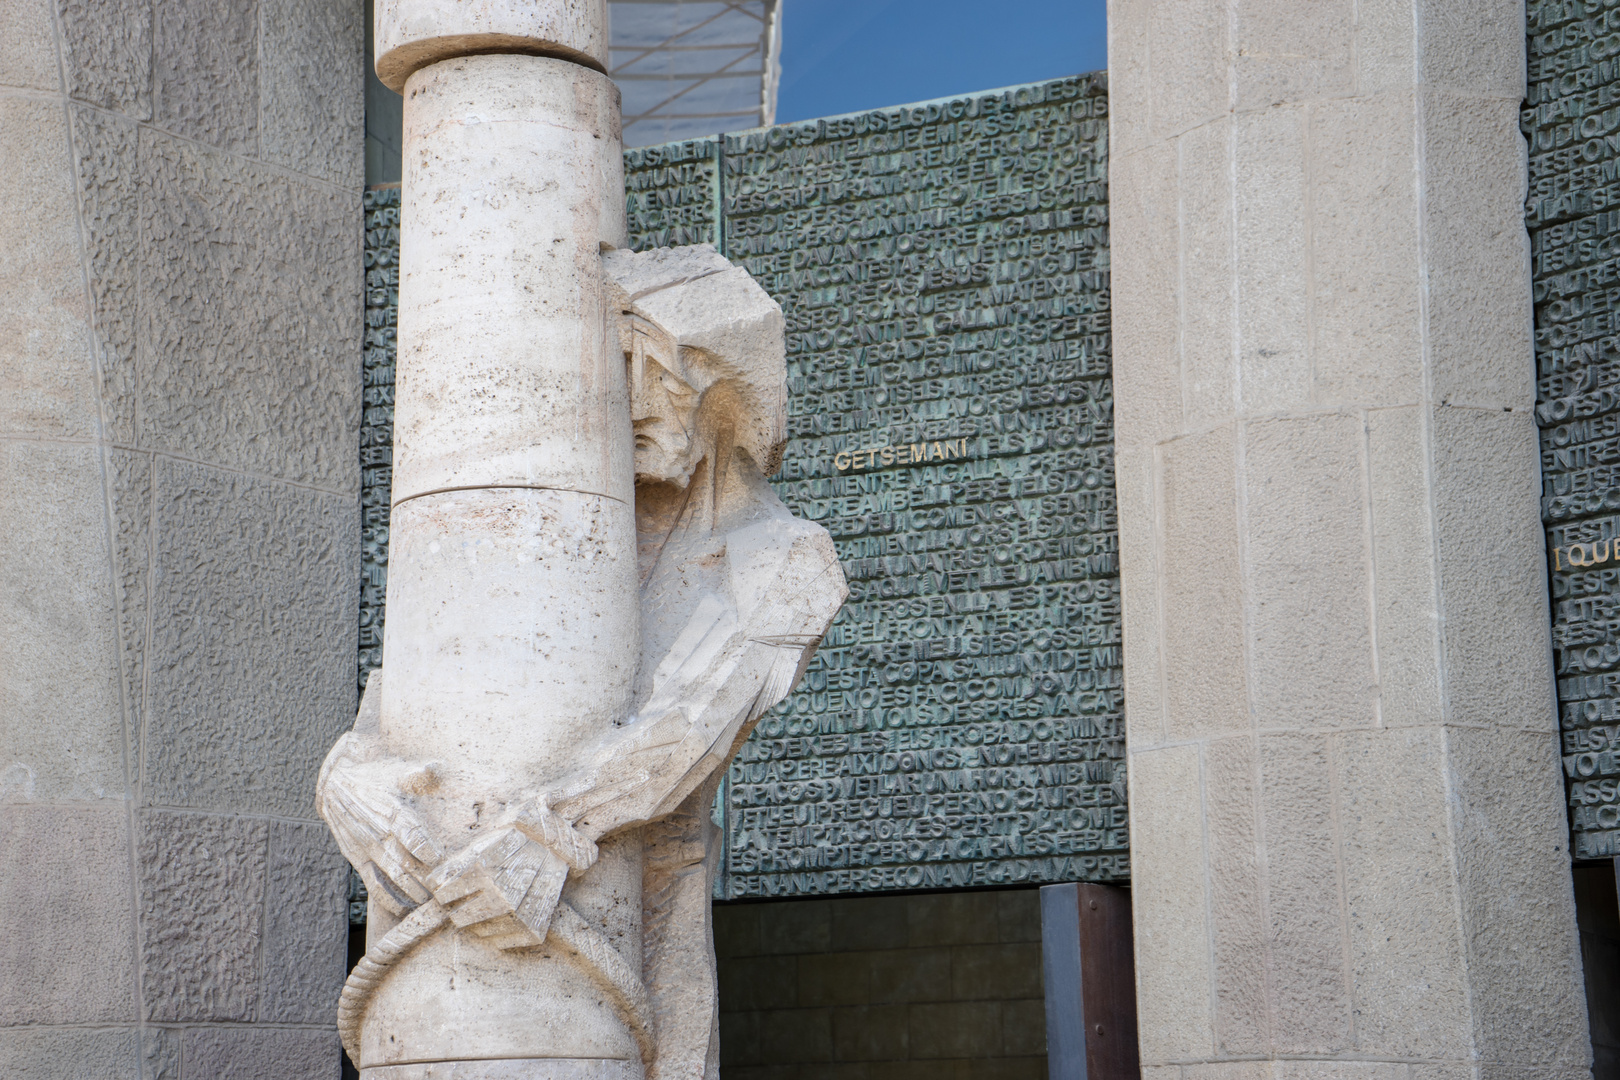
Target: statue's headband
[725, 328]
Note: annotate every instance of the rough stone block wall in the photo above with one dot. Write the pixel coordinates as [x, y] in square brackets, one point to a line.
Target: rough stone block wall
[943, 986]
[180, 295]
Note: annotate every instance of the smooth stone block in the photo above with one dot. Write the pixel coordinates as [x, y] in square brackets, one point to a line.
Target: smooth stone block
[47, 371]
[67, 948]
[61, 723]
[76, 1053]
[1201, 576]
[1309, 595]
[512, 615]
[506, 372]
[27, 46]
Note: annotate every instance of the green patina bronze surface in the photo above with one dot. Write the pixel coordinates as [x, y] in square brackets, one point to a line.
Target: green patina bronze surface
[944, 272]
[1573, 214]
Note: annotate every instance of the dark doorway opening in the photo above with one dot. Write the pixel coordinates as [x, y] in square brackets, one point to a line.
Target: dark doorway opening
[943, 986]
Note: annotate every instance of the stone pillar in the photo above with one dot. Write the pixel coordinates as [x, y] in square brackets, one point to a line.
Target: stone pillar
[1348, 841]
[513, 612]
[180, 290]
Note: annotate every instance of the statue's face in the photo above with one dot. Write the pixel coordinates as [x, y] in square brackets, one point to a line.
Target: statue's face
[663, 411]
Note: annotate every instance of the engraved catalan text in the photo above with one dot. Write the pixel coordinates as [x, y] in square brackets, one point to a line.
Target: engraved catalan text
[1572, 122]
[377, 420]
[944, 273]
[671, 194]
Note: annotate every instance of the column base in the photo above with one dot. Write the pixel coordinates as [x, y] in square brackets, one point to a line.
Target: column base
[510, 1069]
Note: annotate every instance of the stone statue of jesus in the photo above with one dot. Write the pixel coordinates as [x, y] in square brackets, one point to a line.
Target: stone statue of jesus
[736, 593]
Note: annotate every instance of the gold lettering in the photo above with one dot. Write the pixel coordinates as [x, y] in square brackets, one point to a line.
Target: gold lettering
[943, 450]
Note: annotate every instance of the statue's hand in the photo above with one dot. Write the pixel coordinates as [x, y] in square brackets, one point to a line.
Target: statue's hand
[504, 886]
[365, 801]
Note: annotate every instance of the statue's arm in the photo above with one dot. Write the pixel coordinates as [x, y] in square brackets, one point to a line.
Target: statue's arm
[729, 666]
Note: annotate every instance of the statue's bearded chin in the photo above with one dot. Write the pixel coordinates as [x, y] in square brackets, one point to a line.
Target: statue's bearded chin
[665, 455]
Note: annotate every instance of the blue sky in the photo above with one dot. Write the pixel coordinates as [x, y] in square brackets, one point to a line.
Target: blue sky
[843, 56]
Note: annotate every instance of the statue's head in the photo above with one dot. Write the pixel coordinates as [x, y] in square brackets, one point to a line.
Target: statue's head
[703, 347]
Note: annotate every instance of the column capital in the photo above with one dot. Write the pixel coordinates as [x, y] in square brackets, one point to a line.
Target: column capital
[412, 34]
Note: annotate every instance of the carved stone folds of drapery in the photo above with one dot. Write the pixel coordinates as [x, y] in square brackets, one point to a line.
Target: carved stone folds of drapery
[736, 593]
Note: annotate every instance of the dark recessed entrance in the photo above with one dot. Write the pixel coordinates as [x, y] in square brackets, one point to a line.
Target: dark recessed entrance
[943, 986]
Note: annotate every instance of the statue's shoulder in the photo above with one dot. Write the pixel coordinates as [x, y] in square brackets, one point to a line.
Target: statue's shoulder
[773, 529]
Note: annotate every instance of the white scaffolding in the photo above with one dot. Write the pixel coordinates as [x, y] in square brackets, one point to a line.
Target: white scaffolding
[689, 68]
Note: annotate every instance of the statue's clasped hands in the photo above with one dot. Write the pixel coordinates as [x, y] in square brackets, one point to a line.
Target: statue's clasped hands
[504, 885]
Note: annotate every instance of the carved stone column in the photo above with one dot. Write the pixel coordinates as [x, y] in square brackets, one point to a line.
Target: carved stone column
[1348, 848]
[513, 622]
[593, 593]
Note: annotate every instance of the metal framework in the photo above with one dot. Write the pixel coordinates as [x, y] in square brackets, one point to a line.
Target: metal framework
[689, 68]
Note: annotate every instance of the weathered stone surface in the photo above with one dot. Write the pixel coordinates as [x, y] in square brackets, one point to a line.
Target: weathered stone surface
[160, 1051]
[1495, 595]
[109, 193]
[1204, 670]
[63, 734]
[202, 899]
[306, 924]
[1342, 538]
[1310, 630]
[265, 1054]
[1286, 53]
[129, 476]
[253, 639]
[67, 943]
[313, 88]
[1495, 775]
[1268, 252]
[1175, 1014]
[1412, 975]
[1366, 306]
[82, 1054]
[44, 341]
[1479, 309]
[1237, 913]
[1403, 547]
[248, 304]
[107, 53]
[206, 72]
[28, 46]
